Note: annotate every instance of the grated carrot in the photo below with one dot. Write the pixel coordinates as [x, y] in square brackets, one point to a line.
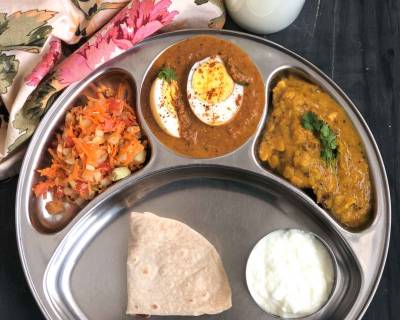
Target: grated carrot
[96, 138]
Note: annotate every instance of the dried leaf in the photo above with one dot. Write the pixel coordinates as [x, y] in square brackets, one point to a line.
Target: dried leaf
[8, 70]
[27, 119]
[3, 22]
[25, 29]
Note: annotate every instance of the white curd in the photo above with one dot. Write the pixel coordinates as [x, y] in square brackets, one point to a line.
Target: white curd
[290, 273]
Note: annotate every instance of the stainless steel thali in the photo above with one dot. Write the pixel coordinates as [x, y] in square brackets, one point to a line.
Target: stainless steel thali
[80, 271]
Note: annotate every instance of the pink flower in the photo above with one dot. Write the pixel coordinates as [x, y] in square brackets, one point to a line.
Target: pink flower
[131, 25]
[73, 69]
[100, 52]
[47, 62]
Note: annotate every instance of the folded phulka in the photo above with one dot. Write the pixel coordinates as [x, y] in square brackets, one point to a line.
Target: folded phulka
[173, 270]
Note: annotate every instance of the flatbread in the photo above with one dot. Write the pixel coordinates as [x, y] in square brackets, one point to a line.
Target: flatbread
[173, 270]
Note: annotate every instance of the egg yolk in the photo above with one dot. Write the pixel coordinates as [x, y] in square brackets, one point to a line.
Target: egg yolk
[170, 94]
[211, 82]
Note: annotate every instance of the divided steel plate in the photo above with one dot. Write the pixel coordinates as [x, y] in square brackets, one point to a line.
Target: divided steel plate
[80, 271]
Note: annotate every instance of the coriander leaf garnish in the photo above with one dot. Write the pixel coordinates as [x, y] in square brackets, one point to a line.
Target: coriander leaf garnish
[308, 120]
[167, 74]
[327, 137]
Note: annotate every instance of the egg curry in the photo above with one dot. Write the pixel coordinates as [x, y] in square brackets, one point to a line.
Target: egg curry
[203, 97]
[310, 141]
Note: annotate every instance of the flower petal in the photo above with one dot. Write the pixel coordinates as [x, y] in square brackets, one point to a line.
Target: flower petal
[73, 69]
[43, 67]
[147, 30]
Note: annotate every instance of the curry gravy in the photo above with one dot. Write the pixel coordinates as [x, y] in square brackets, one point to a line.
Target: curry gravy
[198, 139]
[294, 152]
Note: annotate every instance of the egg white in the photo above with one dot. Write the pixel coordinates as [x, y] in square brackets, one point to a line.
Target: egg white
[165, 114]
[214, 114]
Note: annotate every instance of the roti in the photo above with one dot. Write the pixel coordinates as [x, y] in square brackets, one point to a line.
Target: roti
[173, 270]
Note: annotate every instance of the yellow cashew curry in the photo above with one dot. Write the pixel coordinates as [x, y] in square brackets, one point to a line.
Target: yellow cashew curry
[311, 142]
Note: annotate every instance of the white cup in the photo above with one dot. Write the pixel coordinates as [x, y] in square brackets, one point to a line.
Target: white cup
[264, 16]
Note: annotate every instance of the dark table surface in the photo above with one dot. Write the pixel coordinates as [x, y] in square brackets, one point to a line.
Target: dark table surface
[356, 43]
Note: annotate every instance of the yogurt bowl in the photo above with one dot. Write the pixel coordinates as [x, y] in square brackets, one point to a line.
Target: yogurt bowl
[291, 273]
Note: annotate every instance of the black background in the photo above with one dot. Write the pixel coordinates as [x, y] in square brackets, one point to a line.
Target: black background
[356, 43]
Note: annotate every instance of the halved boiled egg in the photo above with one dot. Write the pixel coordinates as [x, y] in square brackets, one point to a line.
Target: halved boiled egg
[163, 96]
[213, 95]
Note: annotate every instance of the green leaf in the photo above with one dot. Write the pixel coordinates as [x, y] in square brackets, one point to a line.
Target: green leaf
[306, 121]
[39, 36]
[167, 74]
[327, 137]
[318, 125]
[200, 2]
[113, 5]
[91, 7]
[8, 70]
[308, 126]
[22, 28]
[3, 22]
[218, 3]
[310, 121]
[27, 119]
[3, 17]
[4, 115]
[324, 130]
[327, 155]
[39, 100]
[217, 22]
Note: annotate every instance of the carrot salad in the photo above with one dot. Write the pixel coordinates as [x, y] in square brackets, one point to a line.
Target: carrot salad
[100, 142]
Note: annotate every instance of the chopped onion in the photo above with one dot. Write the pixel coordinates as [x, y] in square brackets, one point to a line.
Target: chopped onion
[79, 201]
[140, 157]
[97, 175]
[101, 156]
[66, 151]
[114, 138]
[120, 173]
[98, 140]
[69, 117]
[105, 182]
[68, 191]
[90, 167]
[122, 157]
[85, 122]
[70, 161]
[132, 129]
[88, 176]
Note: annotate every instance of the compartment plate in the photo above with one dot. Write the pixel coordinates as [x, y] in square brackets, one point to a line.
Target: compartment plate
[79, 272]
